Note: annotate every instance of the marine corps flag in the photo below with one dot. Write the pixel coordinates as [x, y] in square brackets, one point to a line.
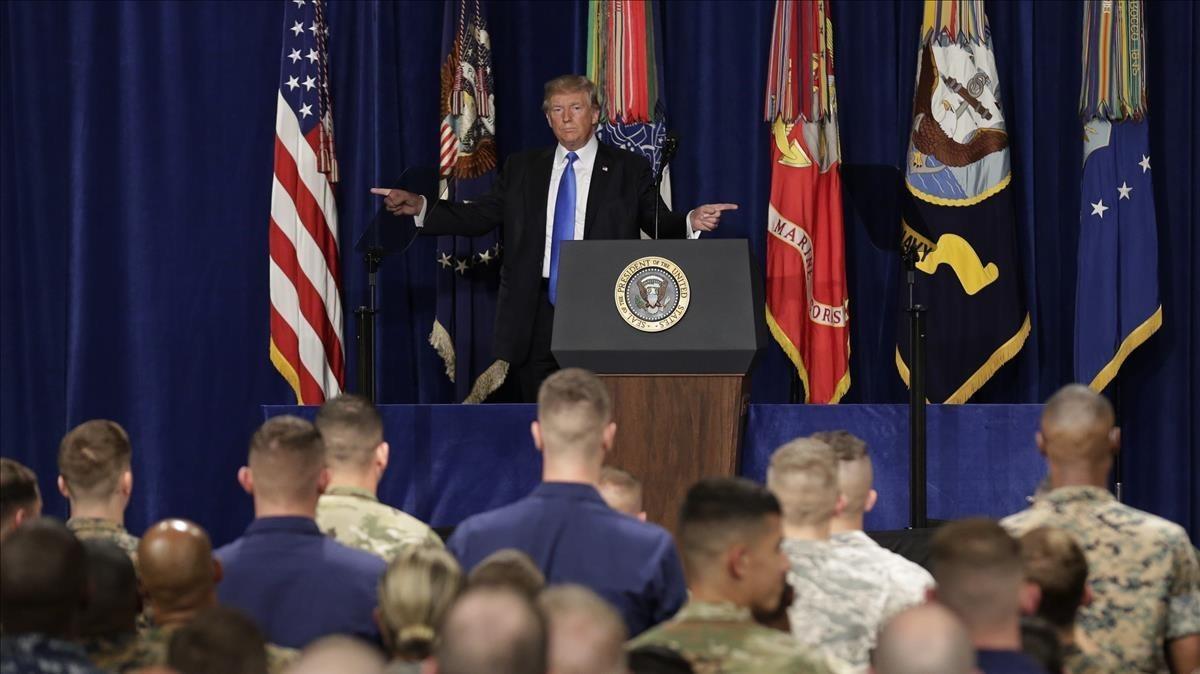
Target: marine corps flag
[807, 301]
[962, 224]
[1116, 291]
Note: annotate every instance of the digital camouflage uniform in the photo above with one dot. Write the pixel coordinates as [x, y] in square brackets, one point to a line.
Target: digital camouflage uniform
[1142, 571]
[121, 654]
[905, 576]
[356, 518]
[843, 597]
[153, 647]
[86, 528]
[37, 654]
[724, 639]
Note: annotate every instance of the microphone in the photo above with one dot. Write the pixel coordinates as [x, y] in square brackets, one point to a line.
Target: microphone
[669, 146]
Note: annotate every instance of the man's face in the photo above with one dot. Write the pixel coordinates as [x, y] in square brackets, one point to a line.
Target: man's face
[572, 118]
[767, 567]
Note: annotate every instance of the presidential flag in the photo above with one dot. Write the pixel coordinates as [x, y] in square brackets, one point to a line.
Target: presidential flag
[468, 267]
[807, 299]
[1116, 291]
[306, 306]
[962, 225]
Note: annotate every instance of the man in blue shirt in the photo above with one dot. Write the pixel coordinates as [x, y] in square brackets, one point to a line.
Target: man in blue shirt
[566, 527]
[297, 584]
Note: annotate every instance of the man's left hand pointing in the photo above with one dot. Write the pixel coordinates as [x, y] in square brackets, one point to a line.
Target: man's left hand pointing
[706, 218]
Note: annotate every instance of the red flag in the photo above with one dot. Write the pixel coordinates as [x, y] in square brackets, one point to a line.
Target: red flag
[807, 300]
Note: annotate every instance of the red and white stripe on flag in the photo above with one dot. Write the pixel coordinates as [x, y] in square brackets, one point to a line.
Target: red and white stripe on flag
[306, 307]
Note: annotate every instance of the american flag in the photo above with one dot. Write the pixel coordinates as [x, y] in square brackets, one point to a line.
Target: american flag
[306, 307]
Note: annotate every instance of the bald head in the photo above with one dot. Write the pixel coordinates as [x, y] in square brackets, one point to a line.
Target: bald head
[178, 570]
[586, 634]
[1077, 428]
[926, 639]
[493, 630]
[341, 654]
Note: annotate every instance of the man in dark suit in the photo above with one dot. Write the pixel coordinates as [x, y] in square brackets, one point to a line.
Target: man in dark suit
[607, 193]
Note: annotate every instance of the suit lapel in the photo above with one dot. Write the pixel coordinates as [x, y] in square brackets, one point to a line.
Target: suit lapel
[598, 188]
[537, 191]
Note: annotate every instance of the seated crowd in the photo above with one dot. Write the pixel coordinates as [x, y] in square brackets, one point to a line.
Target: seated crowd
[572, 579]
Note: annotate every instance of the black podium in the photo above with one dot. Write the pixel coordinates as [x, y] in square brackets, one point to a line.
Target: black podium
[679, 392]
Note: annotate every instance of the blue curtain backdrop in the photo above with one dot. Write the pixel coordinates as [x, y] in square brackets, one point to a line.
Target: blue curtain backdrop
[135, 189]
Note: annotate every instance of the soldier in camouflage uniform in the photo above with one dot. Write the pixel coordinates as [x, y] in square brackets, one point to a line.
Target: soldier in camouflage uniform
[1142, 570]
[349, 510]
[842, 597]
[95, 476]
[729, 533]
[109, 623]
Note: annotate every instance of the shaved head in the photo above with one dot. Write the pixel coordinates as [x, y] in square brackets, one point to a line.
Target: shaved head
[176, 562]
[926, 639]
[586, 633]
[494, 630]
[856, 476]
[1078, 427]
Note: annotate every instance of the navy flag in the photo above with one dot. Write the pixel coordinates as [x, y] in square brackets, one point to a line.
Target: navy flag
[1116, 291]
[962, 221]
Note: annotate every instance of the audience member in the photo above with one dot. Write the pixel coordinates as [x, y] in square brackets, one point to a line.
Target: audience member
[108, 627]
[494, 630]
[730, 534]
[1056, 564]
[856, 477]
[925, 639]
[508, 568]
[179, 578]
[420, 585]
[350, 510]
[95, 476]
[586, 635]
[339, 655]
[977, 567]
[842, 597]
[19, 496]
[566, 527]
[296, 583]
[621, 491]
[1145, 579]
[218, 639]
[43, 591]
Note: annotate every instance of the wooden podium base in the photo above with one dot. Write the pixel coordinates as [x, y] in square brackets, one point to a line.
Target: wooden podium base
[673, 430]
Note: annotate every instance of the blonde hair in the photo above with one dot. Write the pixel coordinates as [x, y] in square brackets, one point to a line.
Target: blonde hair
[803, 476]
[573, 409]
[570, 84]
[415, 593]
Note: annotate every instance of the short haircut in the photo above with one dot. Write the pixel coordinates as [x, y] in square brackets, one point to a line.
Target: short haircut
[570, 84]
[621, 490]
[338, 654]
[573, 409]
[718, 512]
[511, 568]
[1056, 564]
[803, 476]
[114, 604]
[587, 635]
[351, 428]
[92, 457]
[218, 639]
[494, 630]
[924, 639]
[18, 489]
[286, 457]
[43, 579]
[977, 567]
[855, 473]
[415, 593]
[1075, 424]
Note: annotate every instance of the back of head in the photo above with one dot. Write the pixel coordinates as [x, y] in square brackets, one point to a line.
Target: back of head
[114, 604]
[1076, 427]
[621, 491]
[351, 428]
[176, 563]
[1055, 563]
[925, 639]
[338, 655]
[218, 639]
[415, 593]
[510, 568]
[43, 579]
[91, 459]
[856, 476]
[718, 512]
[287, 458]
[803, 476]
[494, 630]
[18, 494]
[977, 567]
[573, 409]
[587, 635]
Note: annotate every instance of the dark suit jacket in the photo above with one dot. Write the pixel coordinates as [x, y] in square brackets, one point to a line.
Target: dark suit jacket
[621, 200]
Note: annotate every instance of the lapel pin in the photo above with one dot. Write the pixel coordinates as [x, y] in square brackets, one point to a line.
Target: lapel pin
[603, 168]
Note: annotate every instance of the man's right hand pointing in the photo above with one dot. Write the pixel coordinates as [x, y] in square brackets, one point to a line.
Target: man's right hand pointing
[400, 202]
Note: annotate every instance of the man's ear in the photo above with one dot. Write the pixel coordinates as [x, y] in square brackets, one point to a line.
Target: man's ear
[1041, 442]
[218, 571]
[535, 429]
[245, 478]
[872, 498]
[840, 505]
[381, 456]
[737, 560]
[608, 436]
[1030, 596]
[642, 515]
[1088, 597]
[595, 115]
[126, 483]
[323, 480]
[62, 488]
[1114, 439]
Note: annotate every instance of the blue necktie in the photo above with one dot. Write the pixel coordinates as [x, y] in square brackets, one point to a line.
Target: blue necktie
[564, 220]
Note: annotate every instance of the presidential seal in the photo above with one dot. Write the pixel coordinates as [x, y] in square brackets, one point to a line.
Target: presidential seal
[652, 294]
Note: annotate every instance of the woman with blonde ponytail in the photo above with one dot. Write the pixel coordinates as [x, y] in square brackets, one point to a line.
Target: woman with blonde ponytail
[415, 593]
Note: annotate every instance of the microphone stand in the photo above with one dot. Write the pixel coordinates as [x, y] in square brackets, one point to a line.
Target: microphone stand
[366, 326]
[670, 145]
[917, 510]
